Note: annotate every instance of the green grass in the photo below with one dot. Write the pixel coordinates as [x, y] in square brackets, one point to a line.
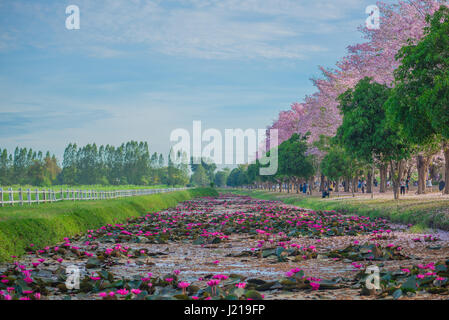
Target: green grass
[425, 213]
[48, 224]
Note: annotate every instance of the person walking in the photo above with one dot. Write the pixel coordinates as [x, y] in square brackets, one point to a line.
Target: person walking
[429, 184]
[402, 186]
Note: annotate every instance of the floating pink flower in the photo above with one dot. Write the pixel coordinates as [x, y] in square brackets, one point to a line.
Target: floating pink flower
[122, 292]
[314, 285]
[136, 291]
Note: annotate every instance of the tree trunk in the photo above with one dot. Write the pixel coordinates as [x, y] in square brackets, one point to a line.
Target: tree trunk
[322, 183]
[337, 182]
[369, 182]
[396, 170]
[383, 178]
[346, 187]
[355, 185]
[446, 169]
[421, 165]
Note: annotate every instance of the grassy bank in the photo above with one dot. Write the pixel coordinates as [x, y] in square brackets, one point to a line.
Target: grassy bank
[423, 213]
[48, 224]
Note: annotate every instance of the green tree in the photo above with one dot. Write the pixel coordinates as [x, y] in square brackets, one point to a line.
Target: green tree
[337, 163]
[419, 104]
[200, 177]
[295, 165]
[220, 178]
[365, 132]
[237, 177]
[5, 168]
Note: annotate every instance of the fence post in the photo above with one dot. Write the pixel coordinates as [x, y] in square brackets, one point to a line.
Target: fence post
[1, 197]
[11, 196]
[20, 197]
[29, 196]
[37, 196]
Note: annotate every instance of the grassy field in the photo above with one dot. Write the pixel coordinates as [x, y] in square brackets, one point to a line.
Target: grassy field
[423, 212]
[48, 224]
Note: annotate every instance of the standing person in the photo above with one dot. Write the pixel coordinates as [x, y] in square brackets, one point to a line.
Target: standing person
[363, 185]
[304, 190]
[402, 186]
[429, 184]
[375, 182]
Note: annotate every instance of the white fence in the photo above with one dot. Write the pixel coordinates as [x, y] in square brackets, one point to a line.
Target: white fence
[37, 196]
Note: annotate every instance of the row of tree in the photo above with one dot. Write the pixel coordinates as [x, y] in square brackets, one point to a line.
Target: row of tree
[130, 163]
[26, 166]
[382, 127]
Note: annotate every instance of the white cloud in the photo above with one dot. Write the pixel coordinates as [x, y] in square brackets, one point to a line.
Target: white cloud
[212, 29]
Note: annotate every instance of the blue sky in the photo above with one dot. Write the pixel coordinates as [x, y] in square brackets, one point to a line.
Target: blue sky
[137, 69]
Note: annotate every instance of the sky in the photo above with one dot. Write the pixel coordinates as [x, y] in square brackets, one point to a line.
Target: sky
[138, 69]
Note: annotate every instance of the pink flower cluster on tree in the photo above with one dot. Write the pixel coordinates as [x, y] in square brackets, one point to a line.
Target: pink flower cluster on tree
[319, 113]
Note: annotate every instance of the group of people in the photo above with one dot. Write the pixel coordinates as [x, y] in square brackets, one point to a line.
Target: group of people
[307, 188]
[304, 187]
[405, 185]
